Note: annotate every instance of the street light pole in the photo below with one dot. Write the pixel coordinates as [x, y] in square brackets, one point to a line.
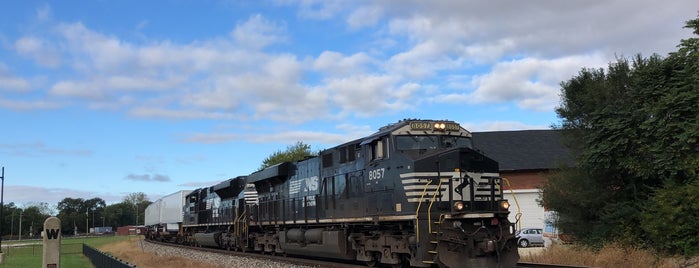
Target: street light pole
[20, 224]
[2, 206]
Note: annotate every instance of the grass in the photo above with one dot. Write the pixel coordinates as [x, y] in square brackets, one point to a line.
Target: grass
[610, 256]
[29, 253]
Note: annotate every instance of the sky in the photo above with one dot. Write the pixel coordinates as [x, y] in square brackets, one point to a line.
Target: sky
[106, 98]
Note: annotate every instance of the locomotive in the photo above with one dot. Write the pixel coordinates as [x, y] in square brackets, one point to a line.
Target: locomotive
[415, 193]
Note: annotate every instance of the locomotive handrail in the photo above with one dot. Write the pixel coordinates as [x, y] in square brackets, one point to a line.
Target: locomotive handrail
[240, 219]
[417, 212]
[519, 210]
[429, 209]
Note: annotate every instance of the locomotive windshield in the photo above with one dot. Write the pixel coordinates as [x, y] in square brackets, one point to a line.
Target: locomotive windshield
[431, 142]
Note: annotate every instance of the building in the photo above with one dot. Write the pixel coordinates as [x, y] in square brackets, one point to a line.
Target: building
[525, 158]
[131, 230]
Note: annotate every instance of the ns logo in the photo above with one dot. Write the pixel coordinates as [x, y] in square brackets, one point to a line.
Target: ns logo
[310, 184]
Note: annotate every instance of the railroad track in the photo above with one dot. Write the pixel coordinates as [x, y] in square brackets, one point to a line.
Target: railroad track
[279, 258]
[320, 263]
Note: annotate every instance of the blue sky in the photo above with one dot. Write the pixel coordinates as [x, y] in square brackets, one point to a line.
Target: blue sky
[106, 98]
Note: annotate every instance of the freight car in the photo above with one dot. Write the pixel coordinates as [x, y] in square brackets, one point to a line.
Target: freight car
[414, 193]
[163, 218]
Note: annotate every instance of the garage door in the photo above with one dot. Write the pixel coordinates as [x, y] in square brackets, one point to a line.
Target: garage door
[532, 213]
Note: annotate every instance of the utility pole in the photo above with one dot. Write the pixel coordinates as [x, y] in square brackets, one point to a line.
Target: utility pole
[2, 217]
[20, 224]
[2, 207]
[87, 221]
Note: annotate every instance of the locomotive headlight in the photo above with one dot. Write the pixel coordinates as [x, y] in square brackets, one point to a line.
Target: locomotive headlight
[440, 126]
[504, 204]
[458, 206]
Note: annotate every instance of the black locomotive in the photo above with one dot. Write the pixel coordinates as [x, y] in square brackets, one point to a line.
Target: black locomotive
[415, 193]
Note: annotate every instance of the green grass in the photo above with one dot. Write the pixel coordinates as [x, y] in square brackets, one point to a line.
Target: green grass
[71, 251]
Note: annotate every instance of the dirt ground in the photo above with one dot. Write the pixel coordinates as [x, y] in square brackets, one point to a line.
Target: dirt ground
[132, 253]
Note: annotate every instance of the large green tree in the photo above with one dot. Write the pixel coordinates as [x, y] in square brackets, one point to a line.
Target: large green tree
[295, 152]
[79, 215]
[635, 130]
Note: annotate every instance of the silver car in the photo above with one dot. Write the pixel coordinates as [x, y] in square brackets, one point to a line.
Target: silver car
[530, 236]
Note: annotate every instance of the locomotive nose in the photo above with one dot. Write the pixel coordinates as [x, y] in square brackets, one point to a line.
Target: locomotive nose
[457, 159]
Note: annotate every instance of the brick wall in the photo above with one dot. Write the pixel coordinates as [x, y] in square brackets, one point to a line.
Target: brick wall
[525, 179]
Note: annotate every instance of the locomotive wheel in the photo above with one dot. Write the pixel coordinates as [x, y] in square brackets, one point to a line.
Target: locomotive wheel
[374, 261]
[398, 265]
[403, 263]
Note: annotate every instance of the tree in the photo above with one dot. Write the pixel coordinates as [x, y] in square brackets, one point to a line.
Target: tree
[138, 202]
[296, 152]
[119, 214]
[72, 212]
[11, 214]
[76, 214]
[33, 217]
[635, 131]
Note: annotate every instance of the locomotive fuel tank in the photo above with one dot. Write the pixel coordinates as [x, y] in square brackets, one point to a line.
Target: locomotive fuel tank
[208, 239]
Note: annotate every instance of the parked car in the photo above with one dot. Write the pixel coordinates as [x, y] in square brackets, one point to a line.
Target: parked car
[530, 236]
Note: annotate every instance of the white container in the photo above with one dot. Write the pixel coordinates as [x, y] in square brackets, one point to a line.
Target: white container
[167, 209]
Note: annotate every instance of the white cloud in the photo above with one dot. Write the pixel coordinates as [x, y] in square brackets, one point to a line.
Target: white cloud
[336, 64]
[368, 94]
[257, 32]
[210, 138]
[27, 195]
[364, 16]
[527, 48]
[317, 9]
[39, 50]
[148, 177]
[23, 194]
[28, 105]
[43, 13]
[10, 82]
[39, 148]
[91, 50]
[197, 184]
[346, 132]
[150, 112]
[76, 89]
[306, 136]
[531, 83]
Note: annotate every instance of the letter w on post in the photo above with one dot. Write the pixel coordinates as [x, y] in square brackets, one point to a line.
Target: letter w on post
[52, 233]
